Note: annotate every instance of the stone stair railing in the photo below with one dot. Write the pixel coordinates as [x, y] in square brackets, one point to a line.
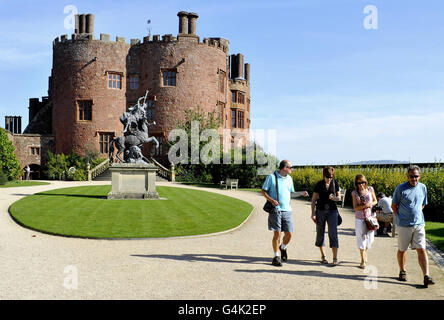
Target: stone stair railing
[94, 172]
[165, 173]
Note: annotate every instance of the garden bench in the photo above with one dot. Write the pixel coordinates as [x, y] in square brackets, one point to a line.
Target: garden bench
[342, 191]
[229, 182]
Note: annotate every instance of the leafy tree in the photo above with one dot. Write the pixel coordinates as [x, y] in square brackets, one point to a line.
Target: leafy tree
[57, 166]
[247, 174]
[8, 160]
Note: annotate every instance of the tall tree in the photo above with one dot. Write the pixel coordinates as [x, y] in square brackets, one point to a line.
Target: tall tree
[8, 159]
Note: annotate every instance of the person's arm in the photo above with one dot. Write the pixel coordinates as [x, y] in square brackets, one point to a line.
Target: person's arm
[395, 201]
[375, 201]
[360, 207]
[267, 196]
[313, 206]
[299, 194]
[395, 208]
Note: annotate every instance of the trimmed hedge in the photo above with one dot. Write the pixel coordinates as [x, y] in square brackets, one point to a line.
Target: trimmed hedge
[382, 180]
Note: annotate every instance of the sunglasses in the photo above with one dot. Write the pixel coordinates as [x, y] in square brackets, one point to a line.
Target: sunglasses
[415, 176]
[329, 177]
[360, 182]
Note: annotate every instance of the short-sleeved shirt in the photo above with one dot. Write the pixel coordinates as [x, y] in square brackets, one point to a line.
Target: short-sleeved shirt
[285, 187]
[410, 201]
[363, 199]
[324, 193]
[385, 204]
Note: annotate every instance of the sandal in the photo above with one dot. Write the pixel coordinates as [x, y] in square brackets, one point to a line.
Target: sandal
[323, 260]
[362, 265]
[335, 261]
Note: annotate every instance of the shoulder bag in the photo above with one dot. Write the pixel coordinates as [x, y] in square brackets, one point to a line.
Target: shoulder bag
[371, 222]
[269, 207]
[339, 216]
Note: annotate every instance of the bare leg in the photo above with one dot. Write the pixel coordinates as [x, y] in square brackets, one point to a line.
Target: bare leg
[322, 251]
[335, 252]
[276, 240]
[287, 238]
[402, 260]
[423, 261]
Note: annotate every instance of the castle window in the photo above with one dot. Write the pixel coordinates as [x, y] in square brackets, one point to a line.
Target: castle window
[238, 97]
[34, 151]
[169, 78]
[134, 82]
[221, 81]
[84, 110]
[233, 118]
[240, 118]
[248, 105]
[114, 80]
[221, 109]
[105, 141]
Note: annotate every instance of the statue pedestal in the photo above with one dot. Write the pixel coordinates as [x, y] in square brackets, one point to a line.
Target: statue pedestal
[133, 181]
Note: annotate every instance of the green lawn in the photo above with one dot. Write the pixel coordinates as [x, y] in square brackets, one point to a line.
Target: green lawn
[435, 233]
[23, 183]
[85, 212]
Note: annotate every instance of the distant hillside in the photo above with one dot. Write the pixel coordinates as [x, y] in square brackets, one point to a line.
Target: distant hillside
[378, 162]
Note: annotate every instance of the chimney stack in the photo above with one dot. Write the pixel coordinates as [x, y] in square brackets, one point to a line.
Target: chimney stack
[183, 22]
[89, 27]
[192, 18]
[84, 23]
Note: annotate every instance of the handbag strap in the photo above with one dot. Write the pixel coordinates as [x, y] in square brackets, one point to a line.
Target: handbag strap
[277, 188]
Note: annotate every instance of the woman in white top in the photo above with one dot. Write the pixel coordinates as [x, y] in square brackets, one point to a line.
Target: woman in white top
[364, 199]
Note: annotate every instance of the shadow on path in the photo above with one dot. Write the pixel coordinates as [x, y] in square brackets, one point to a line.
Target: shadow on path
[221, 258]
[322, 274]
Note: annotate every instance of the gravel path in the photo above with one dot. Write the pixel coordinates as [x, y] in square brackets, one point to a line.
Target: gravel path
[231, 265]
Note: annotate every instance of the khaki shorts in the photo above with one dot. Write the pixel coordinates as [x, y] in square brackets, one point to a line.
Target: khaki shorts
[384, 217]
[413, 236]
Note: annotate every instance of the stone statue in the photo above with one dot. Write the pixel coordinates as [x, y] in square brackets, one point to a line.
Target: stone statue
[135, 134]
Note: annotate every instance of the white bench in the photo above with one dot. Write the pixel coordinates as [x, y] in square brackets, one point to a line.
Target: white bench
[229, 182]
[342, 191]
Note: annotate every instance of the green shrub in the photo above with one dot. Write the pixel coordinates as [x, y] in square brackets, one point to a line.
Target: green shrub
[3, 177]
[382, 180]
[79, 175]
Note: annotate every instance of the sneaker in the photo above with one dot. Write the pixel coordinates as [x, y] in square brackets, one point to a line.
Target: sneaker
[427, 281]
[284, 256]
[403, 276]
[277, 262]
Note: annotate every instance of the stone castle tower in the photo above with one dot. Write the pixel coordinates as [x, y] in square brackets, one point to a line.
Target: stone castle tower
[93, 81]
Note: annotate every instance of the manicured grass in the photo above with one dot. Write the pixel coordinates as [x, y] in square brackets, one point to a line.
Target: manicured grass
[435, 233]
[85, 212]
[251, 189]
[22, 183]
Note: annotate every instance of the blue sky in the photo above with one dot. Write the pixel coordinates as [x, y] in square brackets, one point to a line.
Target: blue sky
[334, 91]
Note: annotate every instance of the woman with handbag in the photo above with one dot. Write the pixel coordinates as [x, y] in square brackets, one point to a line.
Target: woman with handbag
[364, 199]
[324, 211]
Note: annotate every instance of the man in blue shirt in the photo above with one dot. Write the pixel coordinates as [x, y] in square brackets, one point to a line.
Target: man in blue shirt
[282, 219]
[408, 201]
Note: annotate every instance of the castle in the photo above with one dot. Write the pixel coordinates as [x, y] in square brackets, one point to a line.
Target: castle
[93, 81]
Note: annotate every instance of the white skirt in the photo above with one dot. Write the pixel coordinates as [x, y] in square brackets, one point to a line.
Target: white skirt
[364, 237]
